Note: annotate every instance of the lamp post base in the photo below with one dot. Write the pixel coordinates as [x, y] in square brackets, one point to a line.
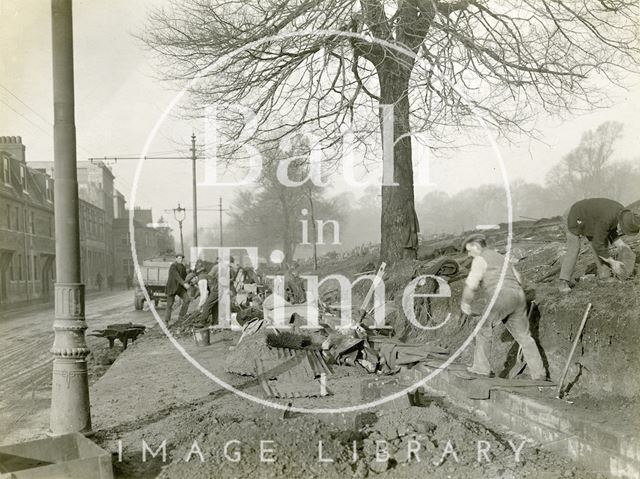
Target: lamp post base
[70, 407]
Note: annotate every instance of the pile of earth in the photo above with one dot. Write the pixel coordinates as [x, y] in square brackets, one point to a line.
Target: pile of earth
[607, 346]
[443, 444]
[101, 359]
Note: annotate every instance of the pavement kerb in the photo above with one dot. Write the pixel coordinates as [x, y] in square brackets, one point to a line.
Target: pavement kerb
[552, 424]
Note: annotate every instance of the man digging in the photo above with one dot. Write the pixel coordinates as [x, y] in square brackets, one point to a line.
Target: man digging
[602, 221]
[510, 306]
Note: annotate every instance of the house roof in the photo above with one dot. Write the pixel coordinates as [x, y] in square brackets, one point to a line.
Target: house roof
[34, 191]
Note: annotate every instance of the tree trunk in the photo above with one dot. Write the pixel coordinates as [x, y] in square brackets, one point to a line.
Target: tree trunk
[398, 222]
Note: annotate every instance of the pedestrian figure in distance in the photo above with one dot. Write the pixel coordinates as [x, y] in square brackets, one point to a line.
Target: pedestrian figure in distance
[510, 306]
[129, 281]
[99, 280]
[176, 286]
[602, 221]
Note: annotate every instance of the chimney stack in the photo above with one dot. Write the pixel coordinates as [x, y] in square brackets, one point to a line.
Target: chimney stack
[13, 145]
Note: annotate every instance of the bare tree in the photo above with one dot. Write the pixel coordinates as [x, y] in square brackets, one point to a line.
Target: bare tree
[587, 171]
[268, 215]
[623, 180]
[437, 62]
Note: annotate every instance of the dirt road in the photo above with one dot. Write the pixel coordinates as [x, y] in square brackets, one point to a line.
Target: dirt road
[25, 376]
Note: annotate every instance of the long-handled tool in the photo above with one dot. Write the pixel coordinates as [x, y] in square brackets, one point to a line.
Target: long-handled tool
[374, 284]
[573, 349]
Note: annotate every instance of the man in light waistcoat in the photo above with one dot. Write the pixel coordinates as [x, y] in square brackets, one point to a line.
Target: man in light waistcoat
[510, 306]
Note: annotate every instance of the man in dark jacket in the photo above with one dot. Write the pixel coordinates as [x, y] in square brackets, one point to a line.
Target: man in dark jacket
[602, 221]
[176, 286]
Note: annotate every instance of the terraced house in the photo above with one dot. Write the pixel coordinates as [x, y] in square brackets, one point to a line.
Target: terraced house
[27, 245]
[27, 239]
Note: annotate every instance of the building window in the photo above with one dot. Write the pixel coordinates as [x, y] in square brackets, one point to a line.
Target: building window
[20, 275]
[17, 219]
[32, 223]
[8, 217]
[23, 178]
[26, 223]
[6, 173]
[48, 189]
[50, 227]
[12, 274]
[35, 268]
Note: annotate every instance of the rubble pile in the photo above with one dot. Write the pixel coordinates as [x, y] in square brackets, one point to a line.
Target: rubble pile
[537, 247]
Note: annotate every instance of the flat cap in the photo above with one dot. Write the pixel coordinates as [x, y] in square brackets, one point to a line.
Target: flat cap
[473, 237]
[629, 222]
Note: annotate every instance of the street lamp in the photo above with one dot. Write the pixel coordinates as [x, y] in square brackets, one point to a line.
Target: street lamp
[180, 214]
[70, 406]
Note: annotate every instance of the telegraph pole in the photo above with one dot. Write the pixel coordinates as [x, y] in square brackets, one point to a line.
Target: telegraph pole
[195, 194]
[193, 159]
[220, 219]
[70, 409]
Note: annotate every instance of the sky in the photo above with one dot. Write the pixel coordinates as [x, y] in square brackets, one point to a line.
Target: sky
[119, 99]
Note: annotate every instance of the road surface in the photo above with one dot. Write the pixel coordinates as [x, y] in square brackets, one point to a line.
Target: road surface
[25, 373]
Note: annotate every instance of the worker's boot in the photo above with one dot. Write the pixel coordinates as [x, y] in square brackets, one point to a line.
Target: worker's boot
[563, 286]
[604, 272]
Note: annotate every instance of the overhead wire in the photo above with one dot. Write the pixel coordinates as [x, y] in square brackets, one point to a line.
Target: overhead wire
[27, 118]
[50, 133]
[48, 122]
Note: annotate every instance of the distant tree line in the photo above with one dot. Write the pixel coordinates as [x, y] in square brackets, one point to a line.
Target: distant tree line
[269, 216]
[589, 170]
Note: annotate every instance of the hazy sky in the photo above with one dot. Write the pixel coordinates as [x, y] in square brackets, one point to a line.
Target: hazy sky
[118, 101]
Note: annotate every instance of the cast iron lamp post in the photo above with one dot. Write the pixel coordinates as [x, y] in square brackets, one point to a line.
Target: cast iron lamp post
[70, 408]
[180, 214]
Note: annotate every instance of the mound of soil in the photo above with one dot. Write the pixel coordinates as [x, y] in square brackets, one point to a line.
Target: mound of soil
[609, 343]
[270, 446]
[101, 359]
